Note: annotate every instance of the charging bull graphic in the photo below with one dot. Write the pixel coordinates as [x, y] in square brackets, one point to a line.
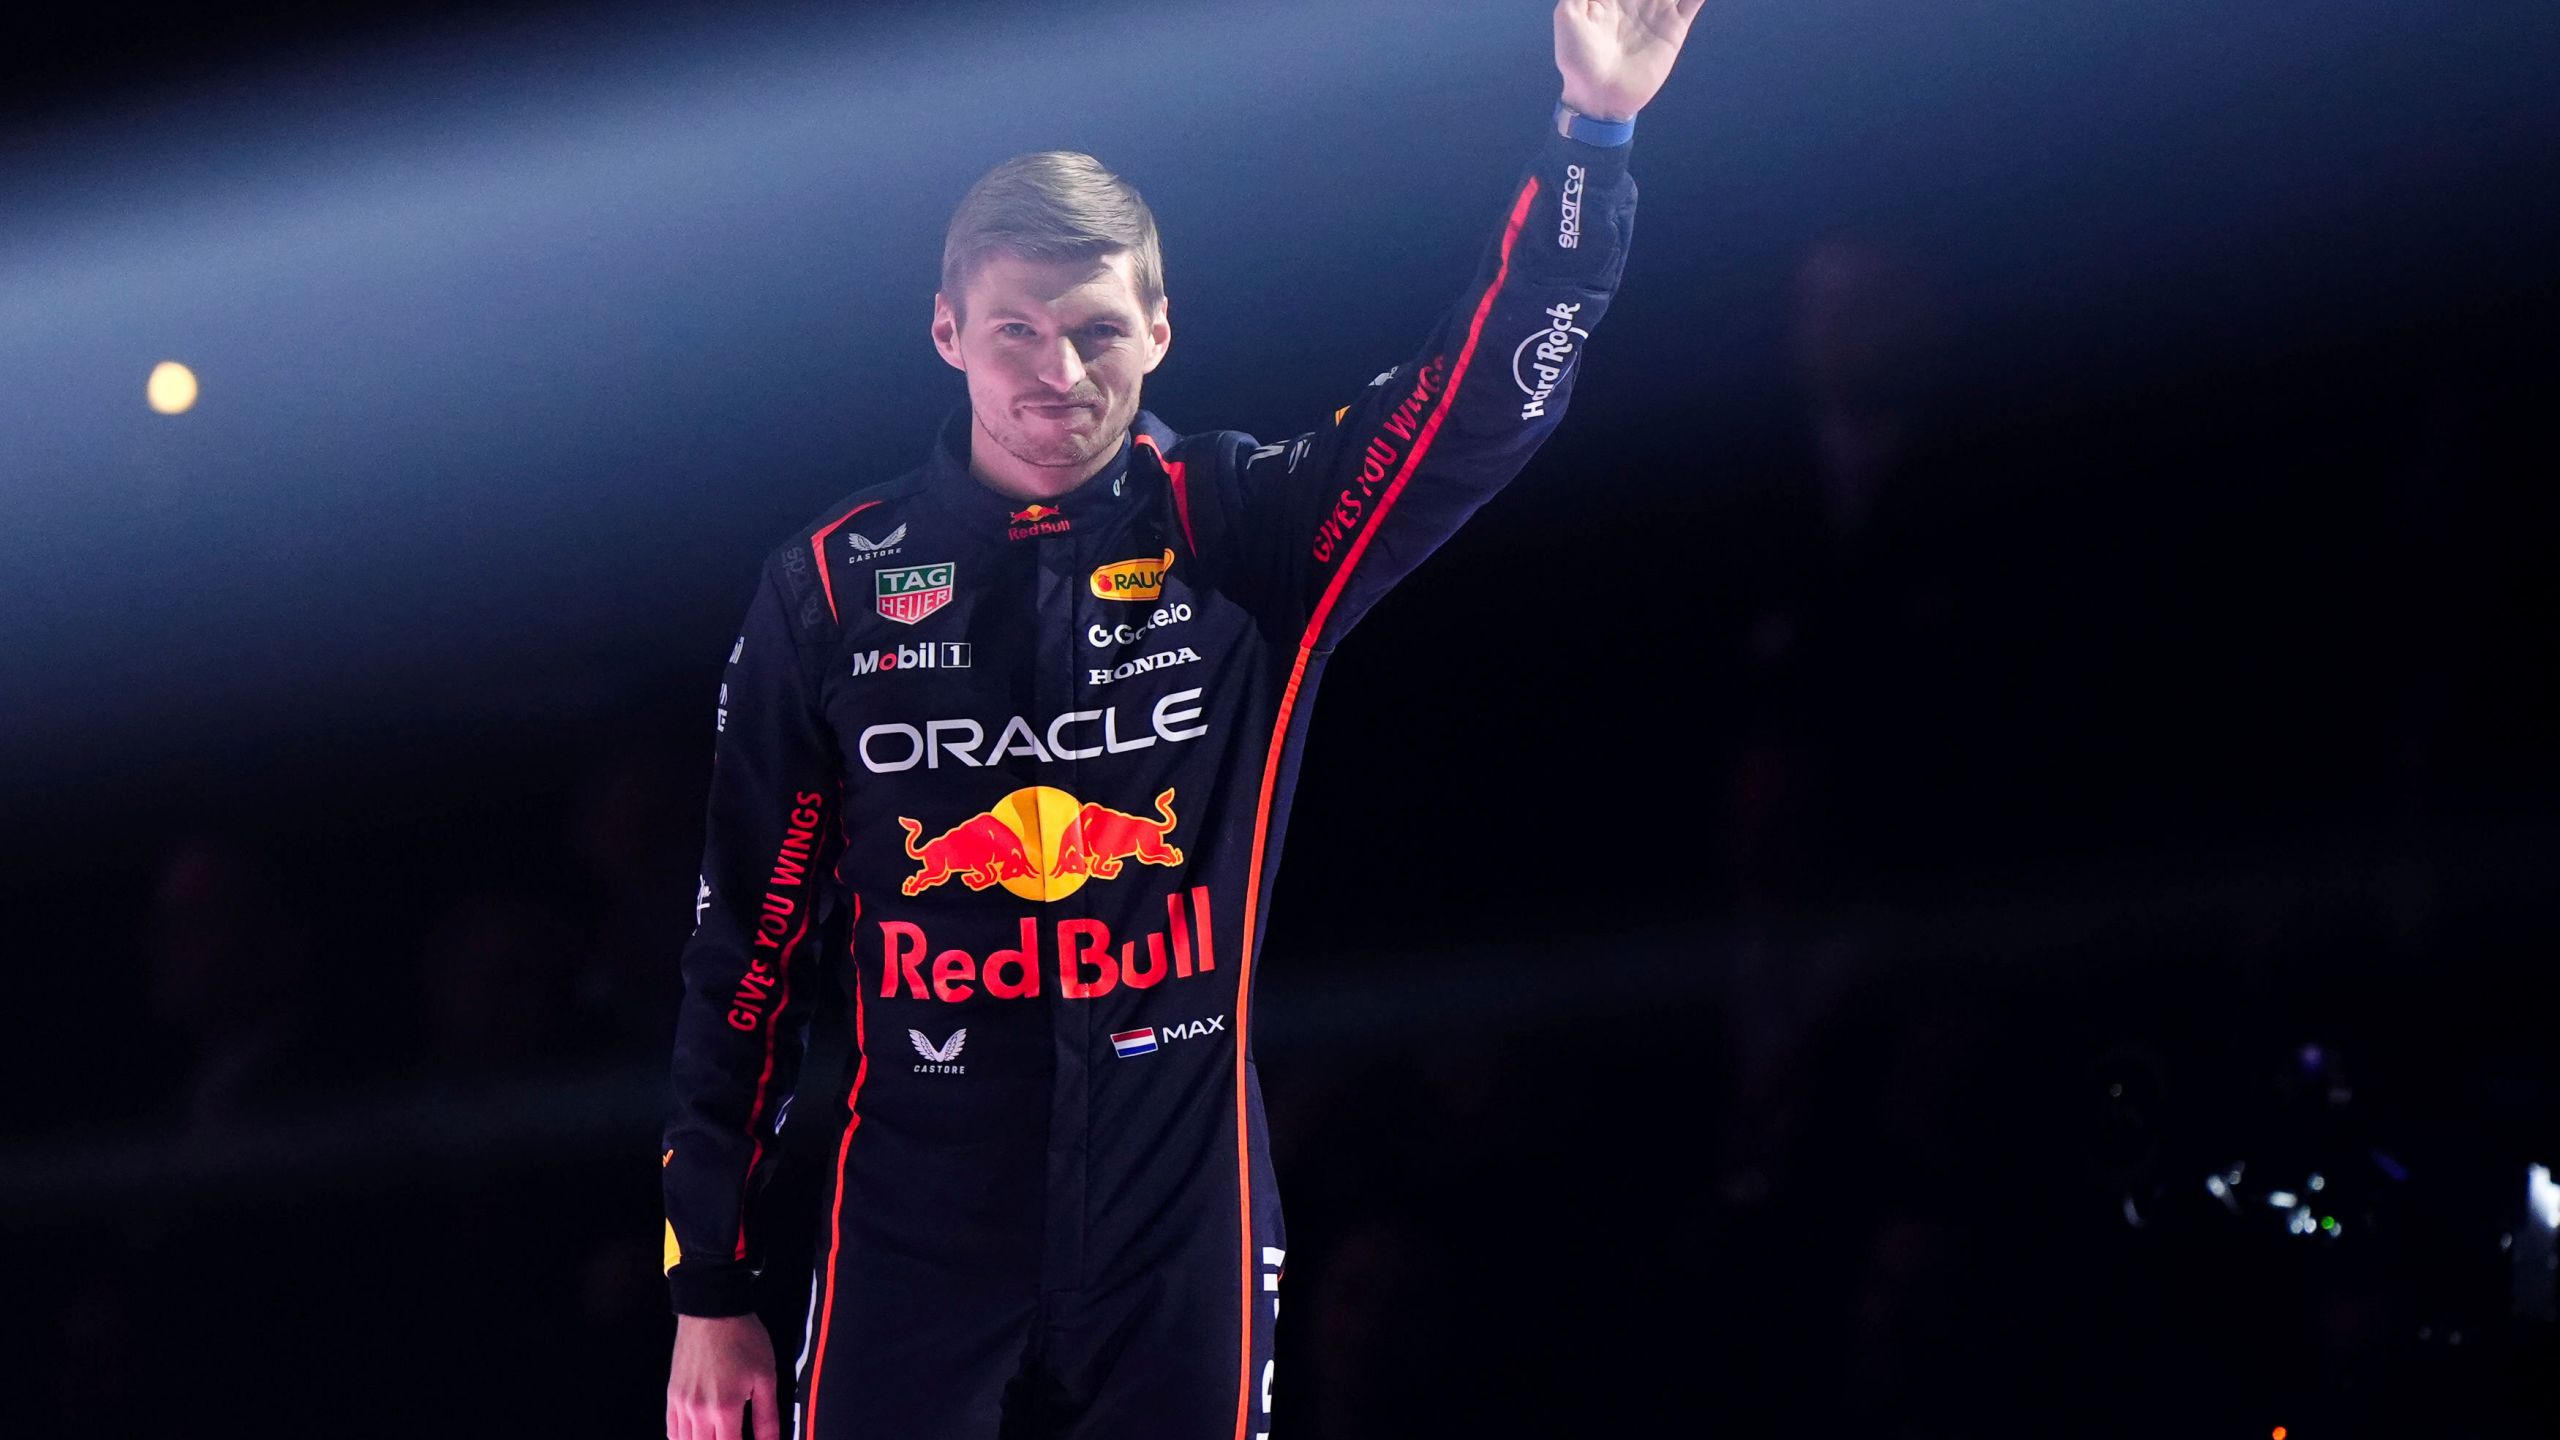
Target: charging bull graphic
[980, 850]
[1040, 843]
[1101, 838]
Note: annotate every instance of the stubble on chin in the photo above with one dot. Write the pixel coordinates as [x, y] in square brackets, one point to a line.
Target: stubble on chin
[1068, 451]
[1071, 449]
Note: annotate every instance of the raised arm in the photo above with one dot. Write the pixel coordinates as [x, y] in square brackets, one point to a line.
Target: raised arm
[1313, 530]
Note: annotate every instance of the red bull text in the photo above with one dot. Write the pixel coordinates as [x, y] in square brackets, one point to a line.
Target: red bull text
[1087, 965]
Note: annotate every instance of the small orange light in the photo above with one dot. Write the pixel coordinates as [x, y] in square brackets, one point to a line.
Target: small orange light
[2278, 1435]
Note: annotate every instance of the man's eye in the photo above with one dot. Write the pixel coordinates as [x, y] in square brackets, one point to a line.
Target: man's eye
[1013, 330]
[1108, 331]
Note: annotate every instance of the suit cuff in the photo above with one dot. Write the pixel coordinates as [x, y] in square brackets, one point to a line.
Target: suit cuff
[1603, 166]
[695, 1288]
[1604, 134]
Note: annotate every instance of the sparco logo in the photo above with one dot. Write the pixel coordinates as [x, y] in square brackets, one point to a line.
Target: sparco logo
[1544, 357]
[1569, 228]
[1102, 635]
[950, 655]
[1142, 665]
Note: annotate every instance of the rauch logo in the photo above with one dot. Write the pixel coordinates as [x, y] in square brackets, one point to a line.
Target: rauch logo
[1132, 579]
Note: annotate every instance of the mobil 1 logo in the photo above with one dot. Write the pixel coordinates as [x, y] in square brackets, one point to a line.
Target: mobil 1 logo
[948, 655]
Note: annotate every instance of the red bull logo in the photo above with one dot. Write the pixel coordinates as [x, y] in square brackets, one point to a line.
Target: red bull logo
[1035, 520]
[981, 850]
[1040, 843]
[1088, 964]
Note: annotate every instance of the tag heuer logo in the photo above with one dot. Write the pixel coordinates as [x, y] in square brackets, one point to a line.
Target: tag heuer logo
[909, 595]
[1132, 579]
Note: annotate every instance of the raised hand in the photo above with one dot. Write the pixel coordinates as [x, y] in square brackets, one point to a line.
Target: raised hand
[1615, 54]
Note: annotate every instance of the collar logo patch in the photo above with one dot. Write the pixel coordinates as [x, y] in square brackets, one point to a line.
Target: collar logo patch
[911, 594]
[1036, 520]
[1141, 579]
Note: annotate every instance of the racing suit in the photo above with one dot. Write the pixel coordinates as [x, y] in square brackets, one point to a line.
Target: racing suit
[1036, 760]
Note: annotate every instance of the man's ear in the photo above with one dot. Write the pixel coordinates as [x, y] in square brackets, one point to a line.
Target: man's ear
[946, 332]
[1159, 335]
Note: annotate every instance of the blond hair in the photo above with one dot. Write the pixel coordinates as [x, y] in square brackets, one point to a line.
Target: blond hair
[1052, 205]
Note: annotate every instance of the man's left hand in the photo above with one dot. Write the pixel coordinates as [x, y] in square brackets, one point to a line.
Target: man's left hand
[1615, 54]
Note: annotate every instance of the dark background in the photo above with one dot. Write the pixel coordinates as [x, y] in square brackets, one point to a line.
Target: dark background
[2013, 725]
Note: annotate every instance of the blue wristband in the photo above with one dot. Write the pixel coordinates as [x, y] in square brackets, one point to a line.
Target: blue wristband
[1575, 125]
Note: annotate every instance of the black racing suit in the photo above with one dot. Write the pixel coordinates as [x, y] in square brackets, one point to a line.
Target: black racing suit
[1036, 760]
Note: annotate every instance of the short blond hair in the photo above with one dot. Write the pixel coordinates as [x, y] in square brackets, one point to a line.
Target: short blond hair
[1052, 205]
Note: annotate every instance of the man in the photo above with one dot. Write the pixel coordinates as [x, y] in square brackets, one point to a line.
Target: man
[1027, 719]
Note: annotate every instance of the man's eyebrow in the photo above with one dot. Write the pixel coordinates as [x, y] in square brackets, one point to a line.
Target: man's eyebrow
[1111, 311]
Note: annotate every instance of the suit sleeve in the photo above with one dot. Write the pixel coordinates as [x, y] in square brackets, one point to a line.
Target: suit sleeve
[751, 968]
[1311, 531]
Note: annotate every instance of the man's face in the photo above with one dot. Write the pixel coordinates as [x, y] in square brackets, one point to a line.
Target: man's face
[1055, 352]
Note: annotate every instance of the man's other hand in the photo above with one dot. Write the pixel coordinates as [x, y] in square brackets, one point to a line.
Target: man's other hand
[1615, 54]
[723, 1368]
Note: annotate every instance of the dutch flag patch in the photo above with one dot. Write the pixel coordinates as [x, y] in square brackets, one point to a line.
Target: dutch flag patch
[1133, 1042]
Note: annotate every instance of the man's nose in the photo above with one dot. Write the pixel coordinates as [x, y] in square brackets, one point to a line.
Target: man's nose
[1062, 368]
